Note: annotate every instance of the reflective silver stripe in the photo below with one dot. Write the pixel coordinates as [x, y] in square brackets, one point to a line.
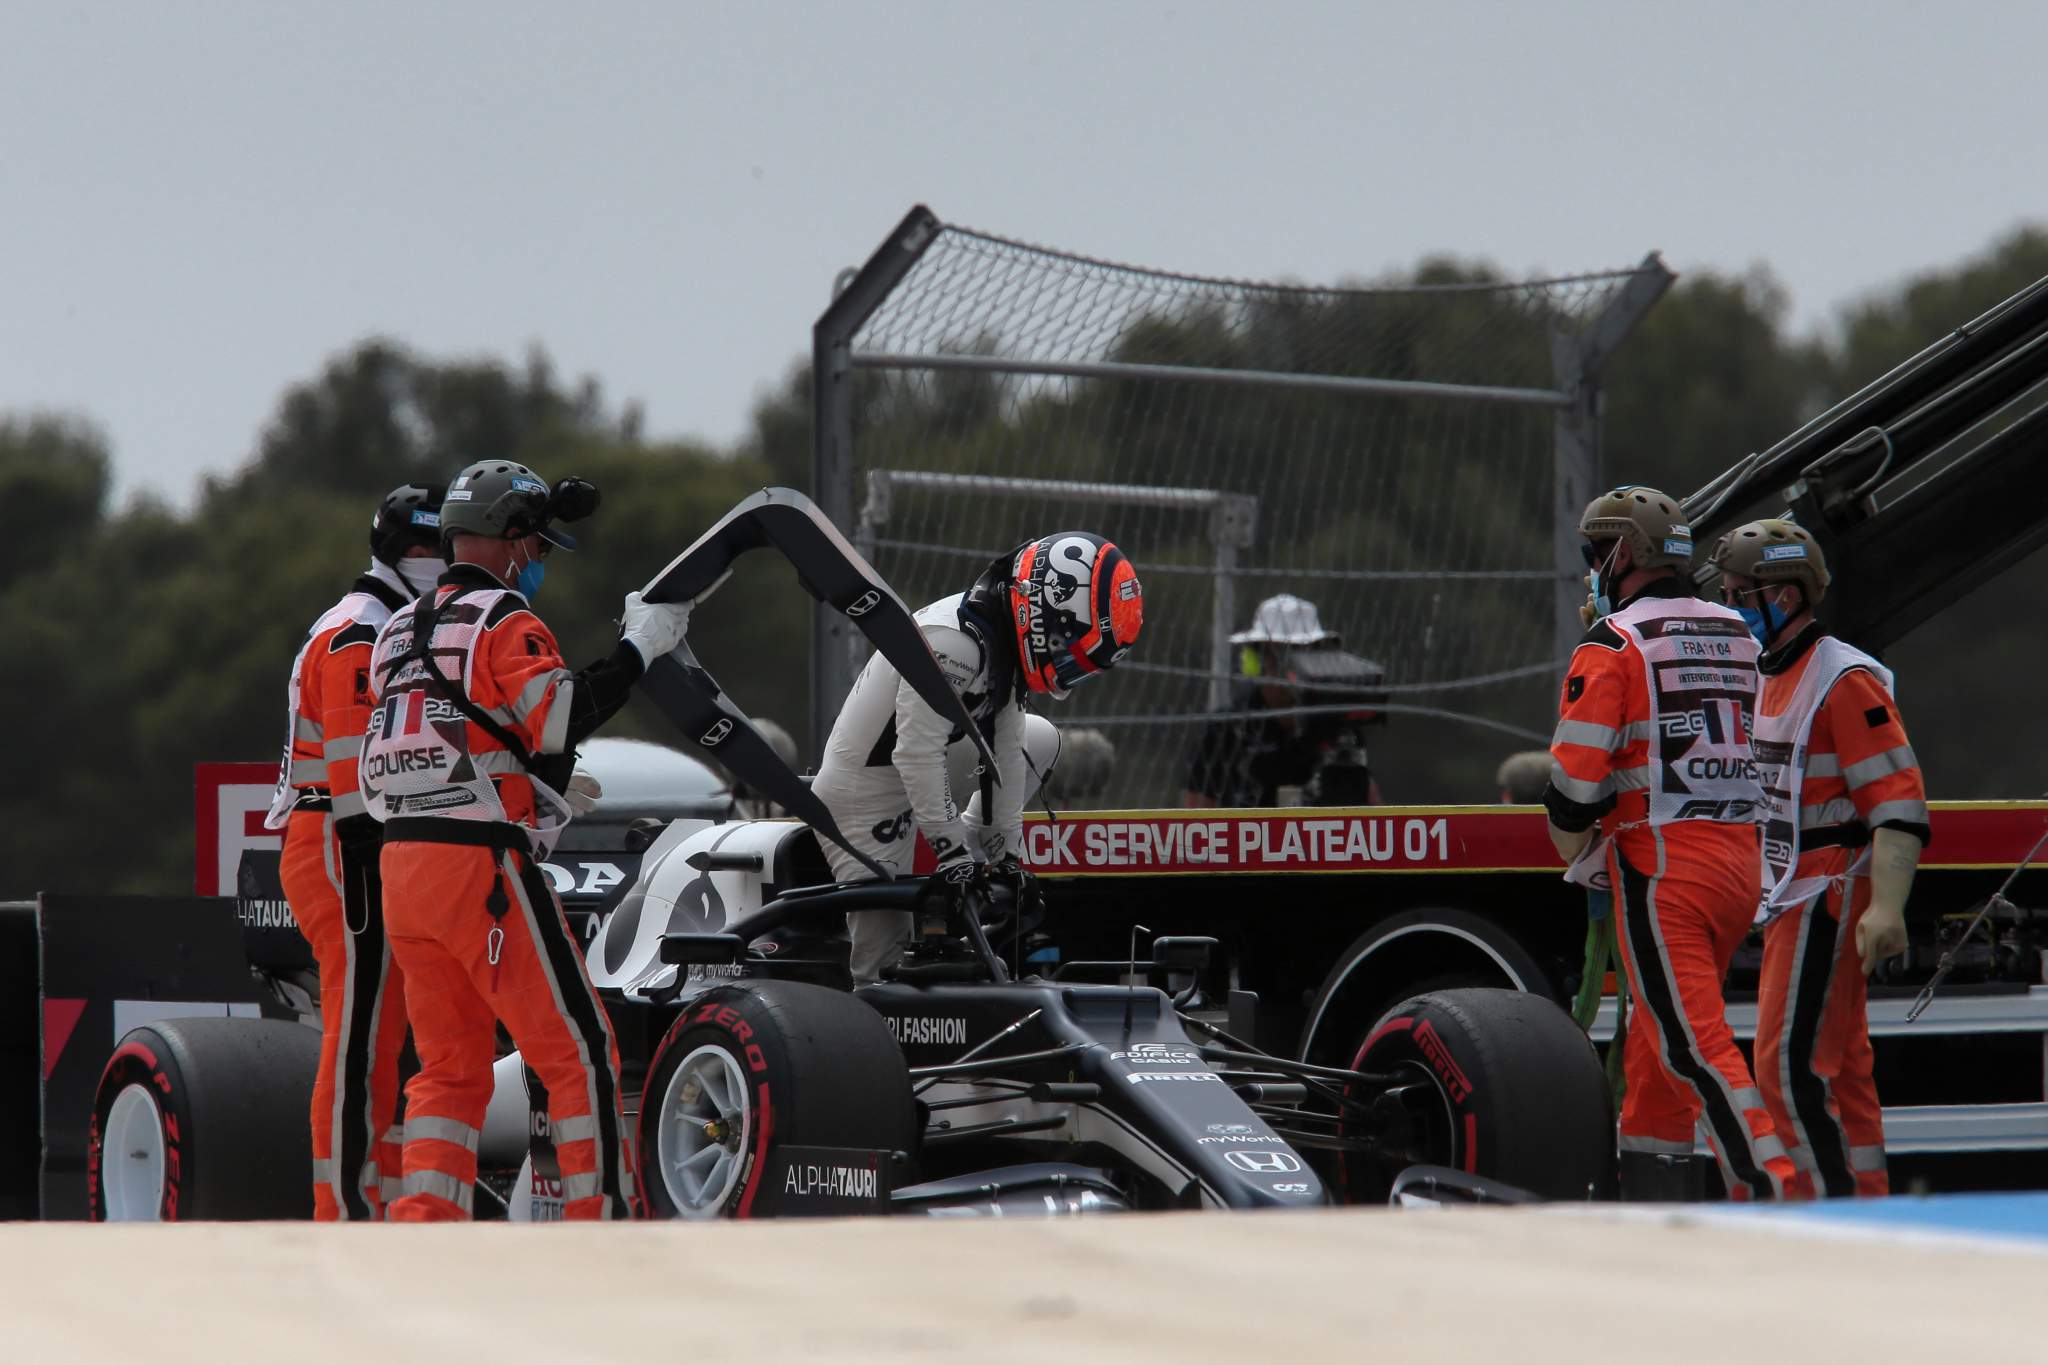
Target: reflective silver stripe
[1636, 779]
[348, 746]
[1879, 765]
[1575, 789]
[308, 770]
[349, 803]
[622, 1173]
[395, 1135]
[323, 1170]
[1749, 1097]
[535, 691]
[308, 729]
[1867, 1159]
[500, 762]
[582, 1128]
[1839, 811]
[1823, 765]
[583, 1186]
[1767, 1148]
[429, 1126]
[1584, 732]
[440, 1185]
[1660, 1146]
[1908, 812]
[392, 1187]
[554, 736]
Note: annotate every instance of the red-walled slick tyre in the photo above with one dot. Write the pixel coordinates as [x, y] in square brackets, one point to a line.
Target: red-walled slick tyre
[205, 1118]
[748, 1069]
[1495, 1083]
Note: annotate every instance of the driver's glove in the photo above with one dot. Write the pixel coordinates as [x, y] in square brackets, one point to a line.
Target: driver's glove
[1028, 899]
[958, 887]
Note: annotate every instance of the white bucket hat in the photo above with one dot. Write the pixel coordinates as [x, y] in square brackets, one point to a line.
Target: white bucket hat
[1284, 620]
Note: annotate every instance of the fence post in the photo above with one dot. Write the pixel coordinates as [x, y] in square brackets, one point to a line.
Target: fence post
[1575, 471]
[832, 466]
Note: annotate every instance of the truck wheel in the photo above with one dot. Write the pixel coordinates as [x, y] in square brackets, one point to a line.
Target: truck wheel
[1495, 1083]
[749, 1069]
[205, 1118]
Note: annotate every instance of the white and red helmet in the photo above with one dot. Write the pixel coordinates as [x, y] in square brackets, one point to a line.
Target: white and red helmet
[1077, 605]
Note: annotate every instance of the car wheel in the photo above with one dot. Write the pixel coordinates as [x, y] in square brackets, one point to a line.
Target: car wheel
[1494, 1083]
[205, 1118]
[750, 1069]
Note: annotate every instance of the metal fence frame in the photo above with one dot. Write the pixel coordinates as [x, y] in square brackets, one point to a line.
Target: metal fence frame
[1576, 363]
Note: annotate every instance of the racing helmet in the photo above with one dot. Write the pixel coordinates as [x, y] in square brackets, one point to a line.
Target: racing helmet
[1652, 523]
[409, 516]
[503, 500]
[1774, 551]
[1077, 607]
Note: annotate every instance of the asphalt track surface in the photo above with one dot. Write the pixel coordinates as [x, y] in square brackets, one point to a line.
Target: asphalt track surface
[1521, 1287]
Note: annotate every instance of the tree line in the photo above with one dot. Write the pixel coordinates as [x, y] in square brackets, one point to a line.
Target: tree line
[146, 638]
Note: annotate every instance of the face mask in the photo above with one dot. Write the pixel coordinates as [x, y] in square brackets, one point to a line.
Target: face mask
[1602, 590]
[1764, 621]
[528, 582]
[421, 574]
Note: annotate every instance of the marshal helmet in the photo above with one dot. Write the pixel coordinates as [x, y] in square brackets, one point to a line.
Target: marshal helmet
[1774, 551]
[504, 500]
[1652, 524]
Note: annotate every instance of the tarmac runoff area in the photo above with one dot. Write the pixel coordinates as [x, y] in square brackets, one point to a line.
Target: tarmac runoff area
[1521, 1287]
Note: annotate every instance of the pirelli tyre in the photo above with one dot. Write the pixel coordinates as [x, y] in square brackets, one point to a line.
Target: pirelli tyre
[204, 1119]
[753, 1068]
[1495, 1083]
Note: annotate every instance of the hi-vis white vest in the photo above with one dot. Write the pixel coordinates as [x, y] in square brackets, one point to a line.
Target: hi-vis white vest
[298, 770]
[1781, 751]
[417, 758]
[1699, 663]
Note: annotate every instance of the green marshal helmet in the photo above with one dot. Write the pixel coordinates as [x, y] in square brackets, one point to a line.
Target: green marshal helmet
[504, 500]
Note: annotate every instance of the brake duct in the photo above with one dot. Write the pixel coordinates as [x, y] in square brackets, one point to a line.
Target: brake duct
[830, 570]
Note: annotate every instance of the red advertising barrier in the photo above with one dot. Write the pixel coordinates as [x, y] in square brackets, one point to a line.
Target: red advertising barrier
[232, 798]
[1189, 843]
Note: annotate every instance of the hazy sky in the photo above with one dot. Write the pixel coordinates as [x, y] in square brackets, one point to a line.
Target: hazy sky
[204, 201]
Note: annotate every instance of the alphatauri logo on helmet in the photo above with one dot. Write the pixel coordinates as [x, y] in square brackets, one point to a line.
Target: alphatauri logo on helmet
[715, 736]
[865, 603]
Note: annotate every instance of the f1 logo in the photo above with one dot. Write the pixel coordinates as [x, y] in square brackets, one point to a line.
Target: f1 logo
[1264, 1163]
[715, 736]
[865, 603]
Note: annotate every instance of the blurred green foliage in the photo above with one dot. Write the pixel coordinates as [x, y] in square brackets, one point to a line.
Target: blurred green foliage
[142, 640]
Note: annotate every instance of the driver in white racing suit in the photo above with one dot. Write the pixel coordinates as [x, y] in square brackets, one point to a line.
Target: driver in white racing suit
[1046, 618]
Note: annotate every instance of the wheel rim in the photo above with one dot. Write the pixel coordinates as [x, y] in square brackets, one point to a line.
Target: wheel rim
[132, 1158]
[701, 1132]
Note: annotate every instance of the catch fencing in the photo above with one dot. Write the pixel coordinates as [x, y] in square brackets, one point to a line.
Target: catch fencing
[1410, 457]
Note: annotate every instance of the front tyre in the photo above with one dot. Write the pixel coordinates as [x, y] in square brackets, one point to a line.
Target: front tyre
[751, 1068]
[1495, 1083]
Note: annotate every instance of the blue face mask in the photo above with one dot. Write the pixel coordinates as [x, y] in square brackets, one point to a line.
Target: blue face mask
[1763, 622]
[528, 582]
[1602, 590]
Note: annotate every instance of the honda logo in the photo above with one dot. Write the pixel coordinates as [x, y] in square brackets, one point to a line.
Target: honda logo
[1264, 1163]
[865, 603]
[716, 734]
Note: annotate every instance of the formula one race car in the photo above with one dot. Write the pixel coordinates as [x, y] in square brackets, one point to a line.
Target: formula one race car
[958, 1085]
[976, 1077]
